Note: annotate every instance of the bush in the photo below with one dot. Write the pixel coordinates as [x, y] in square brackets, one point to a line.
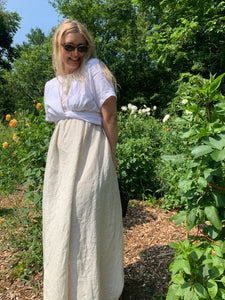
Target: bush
[198, 268]
[27, 136]
[139, 149]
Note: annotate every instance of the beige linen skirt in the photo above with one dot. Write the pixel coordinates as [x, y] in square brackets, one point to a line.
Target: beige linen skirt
[82, 218]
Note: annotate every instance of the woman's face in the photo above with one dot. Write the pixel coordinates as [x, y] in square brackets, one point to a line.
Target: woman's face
[72, 59]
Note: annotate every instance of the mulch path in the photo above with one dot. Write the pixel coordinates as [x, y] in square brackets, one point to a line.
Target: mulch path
[147, 255]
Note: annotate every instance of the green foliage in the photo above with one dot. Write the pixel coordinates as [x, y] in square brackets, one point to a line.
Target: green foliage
[184, 36]
[9, 23]
[189, 35]
[24, 239]
[25, 157]
[25, 83]
[138, 150]
[197, 271]
[27, 153]
[10, 171]
[198, 268]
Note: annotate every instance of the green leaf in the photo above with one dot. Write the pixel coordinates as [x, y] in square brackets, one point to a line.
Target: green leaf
[209, 173]
[221, 294]
[185, 288]
[196, 255]
[214, 272]
[219, 196]
[175, 159]
[211, 232]
[212, 288]
[185, 185]
[172, 293]
[218, 250]
[193, 296]
[186, 133]
[191, 219]
[213, 216]
[188, 294]
[174, 245]
[222, 279]
[218, 155]
[216, 83]
[217, 143]
[203, 270]
[201, 291]
[181, 265]
[202, 182]
[179, 218]
[201, 150]
[178, 279]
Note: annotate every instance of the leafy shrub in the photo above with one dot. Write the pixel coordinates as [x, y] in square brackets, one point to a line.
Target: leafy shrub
[10, 168]
[198, 268]
[26, 152]
[138, 151]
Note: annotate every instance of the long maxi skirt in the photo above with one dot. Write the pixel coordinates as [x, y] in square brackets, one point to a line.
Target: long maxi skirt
[82, 218]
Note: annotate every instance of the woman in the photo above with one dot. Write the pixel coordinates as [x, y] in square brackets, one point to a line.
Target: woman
[82, 218]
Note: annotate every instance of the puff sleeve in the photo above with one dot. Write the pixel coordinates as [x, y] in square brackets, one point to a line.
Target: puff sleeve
[101, 86]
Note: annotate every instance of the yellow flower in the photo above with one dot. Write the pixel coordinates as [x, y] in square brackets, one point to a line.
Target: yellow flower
[15, 137]
[7, 117]
[38, 106]
[13, 123]
[5, 145]
[1, 221]
[27, 124]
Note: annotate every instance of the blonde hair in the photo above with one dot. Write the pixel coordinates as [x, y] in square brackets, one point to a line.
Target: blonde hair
[74, 26]
[66, 27]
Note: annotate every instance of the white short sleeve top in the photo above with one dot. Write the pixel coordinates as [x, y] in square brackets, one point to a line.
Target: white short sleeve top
[84, 99]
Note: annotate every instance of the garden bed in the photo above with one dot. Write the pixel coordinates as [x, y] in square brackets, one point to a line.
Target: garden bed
[147, 234]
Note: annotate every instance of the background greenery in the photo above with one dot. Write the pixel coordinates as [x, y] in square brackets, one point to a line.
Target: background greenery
[168, 58]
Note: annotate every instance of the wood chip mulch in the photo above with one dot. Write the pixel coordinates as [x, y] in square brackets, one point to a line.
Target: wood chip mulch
[147, 254]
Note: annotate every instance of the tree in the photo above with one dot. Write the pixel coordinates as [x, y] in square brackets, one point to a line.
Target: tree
[36, 37]
[188, 35]
[25, 82]
[9, 23]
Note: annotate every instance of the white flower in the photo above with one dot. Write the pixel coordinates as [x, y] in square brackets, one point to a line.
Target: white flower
[166, 118]
[148, 109]
[133, 111]
[184, 101]
[154, 107]
[129, 106]
[188, 112]
[148, 113]
[124, 108]
[133, 108]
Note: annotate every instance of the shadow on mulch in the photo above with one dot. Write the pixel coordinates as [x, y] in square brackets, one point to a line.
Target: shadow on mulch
[148, 279]
[137, 215]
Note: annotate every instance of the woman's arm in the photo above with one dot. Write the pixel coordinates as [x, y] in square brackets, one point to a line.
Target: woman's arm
[109, 123]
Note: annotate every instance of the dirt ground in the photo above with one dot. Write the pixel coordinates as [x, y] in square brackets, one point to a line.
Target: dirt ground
[147, 255]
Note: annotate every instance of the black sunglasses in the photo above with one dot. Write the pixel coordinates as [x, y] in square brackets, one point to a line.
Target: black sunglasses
[80, 48]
